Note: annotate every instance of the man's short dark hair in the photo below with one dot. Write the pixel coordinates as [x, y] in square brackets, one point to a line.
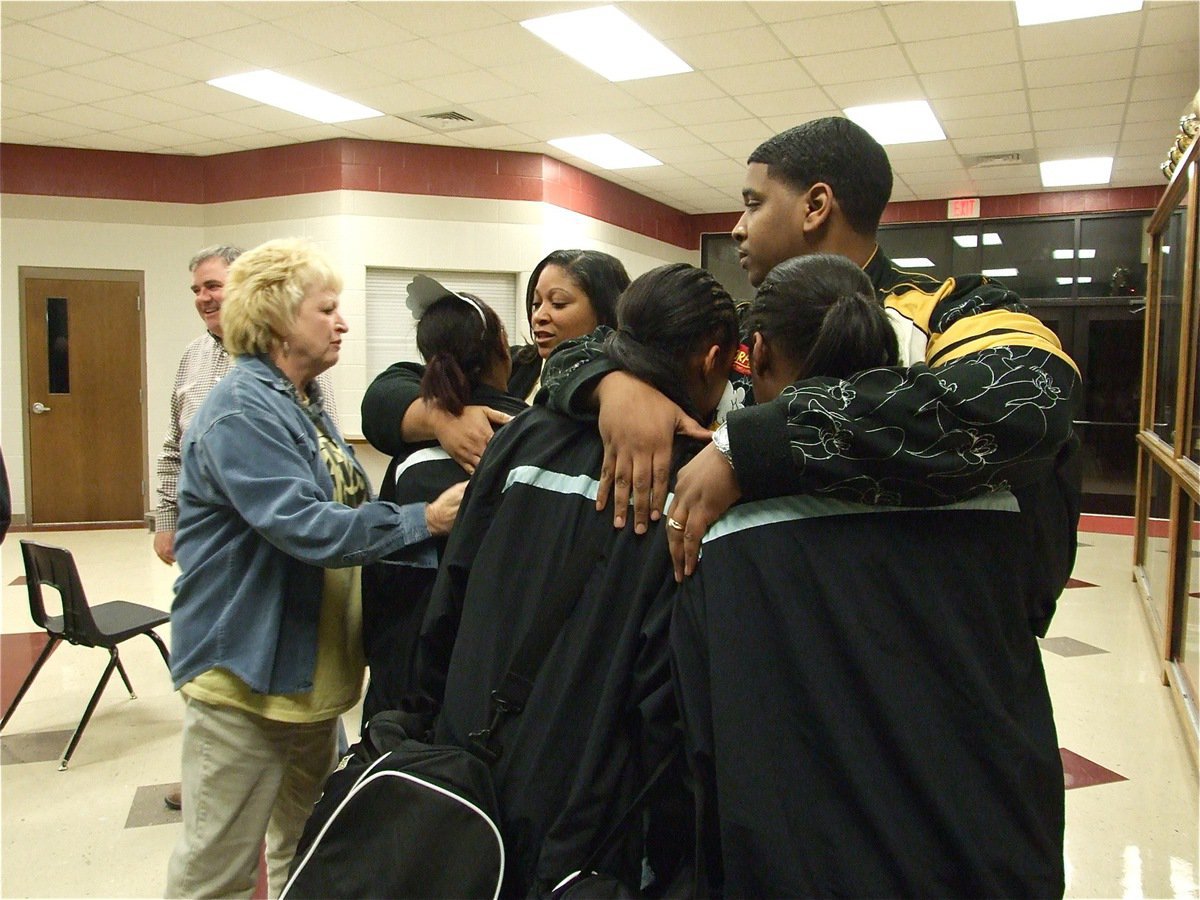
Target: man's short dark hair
[839, 153]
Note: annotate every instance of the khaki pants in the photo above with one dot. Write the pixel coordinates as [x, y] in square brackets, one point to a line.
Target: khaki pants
[245, 778]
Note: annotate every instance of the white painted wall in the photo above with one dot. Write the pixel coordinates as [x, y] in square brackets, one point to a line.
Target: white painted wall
[358, 229]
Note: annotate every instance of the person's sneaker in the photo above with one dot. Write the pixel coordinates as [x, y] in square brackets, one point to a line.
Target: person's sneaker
[174, 800]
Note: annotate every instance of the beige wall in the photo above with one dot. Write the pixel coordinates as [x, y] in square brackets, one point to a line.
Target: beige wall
[358, 229]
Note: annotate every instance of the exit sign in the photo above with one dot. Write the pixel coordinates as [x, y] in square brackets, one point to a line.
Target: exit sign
[963, 208]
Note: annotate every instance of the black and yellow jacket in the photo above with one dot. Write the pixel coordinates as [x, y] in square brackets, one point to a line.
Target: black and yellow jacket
[983, 401]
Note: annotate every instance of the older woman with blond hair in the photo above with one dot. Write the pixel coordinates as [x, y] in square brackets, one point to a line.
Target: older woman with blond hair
[266, 625]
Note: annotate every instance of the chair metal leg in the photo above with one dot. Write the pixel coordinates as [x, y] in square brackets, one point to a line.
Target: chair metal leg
[37, 667]
[113, 662]
[162, 647]
[121, 672]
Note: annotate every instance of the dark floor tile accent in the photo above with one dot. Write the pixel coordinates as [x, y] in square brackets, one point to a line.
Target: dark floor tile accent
[1066, 646]
[17, 582]
[35, 746]
[148, 807]
[17, 655]
[1076, 583]
[1078, 771]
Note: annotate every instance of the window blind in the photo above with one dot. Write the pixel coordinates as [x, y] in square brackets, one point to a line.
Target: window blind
[391, 331]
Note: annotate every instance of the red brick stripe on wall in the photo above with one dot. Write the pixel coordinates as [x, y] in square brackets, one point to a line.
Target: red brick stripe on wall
[388, 167]
[338, 164]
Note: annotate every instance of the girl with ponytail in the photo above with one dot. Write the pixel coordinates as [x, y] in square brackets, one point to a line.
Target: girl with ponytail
[467, 362]
[815, 316]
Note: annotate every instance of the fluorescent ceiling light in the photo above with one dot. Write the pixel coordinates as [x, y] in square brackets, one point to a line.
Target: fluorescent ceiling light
[1063, 172]
[1039, 12]
[608, 42]
[914, 262]
[990, 239]
[294, 96]
[1084, 253]
[605, 151]
[1000, 273]
[1082, 279]
[898, 123]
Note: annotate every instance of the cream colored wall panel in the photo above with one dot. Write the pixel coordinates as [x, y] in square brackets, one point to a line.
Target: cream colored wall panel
[357, 229]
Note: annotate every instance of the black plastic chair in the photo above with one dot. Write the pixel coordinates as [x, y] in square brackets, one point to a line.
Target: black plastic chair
[107, 625]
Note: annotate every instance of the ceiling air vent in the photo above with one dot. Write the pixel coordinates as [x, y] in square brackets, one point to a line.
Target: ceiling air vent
[996, 159]
[447, 119]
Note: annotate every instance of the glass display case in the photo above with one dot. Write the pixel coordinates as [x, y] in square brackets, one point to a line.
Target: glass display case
[1167, 531]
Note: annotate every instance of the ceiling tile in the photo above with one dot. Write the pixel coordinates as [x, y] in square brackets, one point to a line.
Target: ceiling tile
[992, 48]
[978, 81]
[788, 103]
[1101, 34]
[413, 60]
[60, 83]
[745, 46]
[432, 18]
[388, 128]
[344, 28]
[722, 109]
[841, 68]
[45, 127]
[1081, 141]
[1168, 58]
[994, 144]
[467, 87]
[858, 30]
[401, 99]
[622, 121]
[1166, 22]
[94, 118]
[213, 128]
[549, 75]
[1160, 112]
[147, 108]
[692, 153]
[925, 21]
[983, 126]
[1079, 118]
[1000, 103]
[1073, 96]
[44, 47]
[665, 138]
[189, 60]
[1162, 87]
[118, 142]
[186, 18]
[1082, 69]
[16, 67]
[27, 10]
[761, 78]
[21, 100]
[497, 46]
[103, 26]
[263, 46]
[673, 89]
[877, 90]
[125, 73]
[771, 11]
[745, 129]
[682, 18]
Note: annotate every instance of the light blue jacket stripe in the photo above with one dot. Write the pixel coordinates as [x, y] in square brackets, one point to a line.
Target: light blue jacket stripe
[789, 509]
[582, 485]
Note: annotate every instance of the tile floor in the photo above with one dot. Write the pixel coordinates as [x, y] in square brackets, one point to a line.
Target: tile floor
[99, 829]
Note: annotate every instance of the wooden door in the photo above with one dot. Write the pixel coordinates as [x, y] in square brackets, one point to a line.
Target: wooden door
[83, 406]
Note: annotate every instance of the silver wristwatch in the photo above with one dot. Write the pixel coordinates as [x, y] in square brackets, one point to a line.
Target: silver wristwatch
[720, 437]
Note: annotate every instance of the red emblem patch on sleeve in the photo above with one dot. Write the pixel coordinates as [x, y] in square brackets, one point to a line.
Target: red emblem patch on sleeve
[741, 362]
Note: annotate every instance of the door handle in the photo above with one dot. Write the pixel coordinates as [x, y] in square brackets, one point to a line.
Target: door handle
[38, 408]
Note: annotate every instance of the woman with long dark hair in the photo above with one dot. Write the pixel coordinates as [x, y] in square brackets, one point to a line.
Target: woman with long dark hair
[570, 292]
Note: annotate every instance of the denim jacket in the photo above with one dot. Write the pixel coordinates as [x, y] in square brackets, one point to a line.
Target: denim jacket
[257, 525]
